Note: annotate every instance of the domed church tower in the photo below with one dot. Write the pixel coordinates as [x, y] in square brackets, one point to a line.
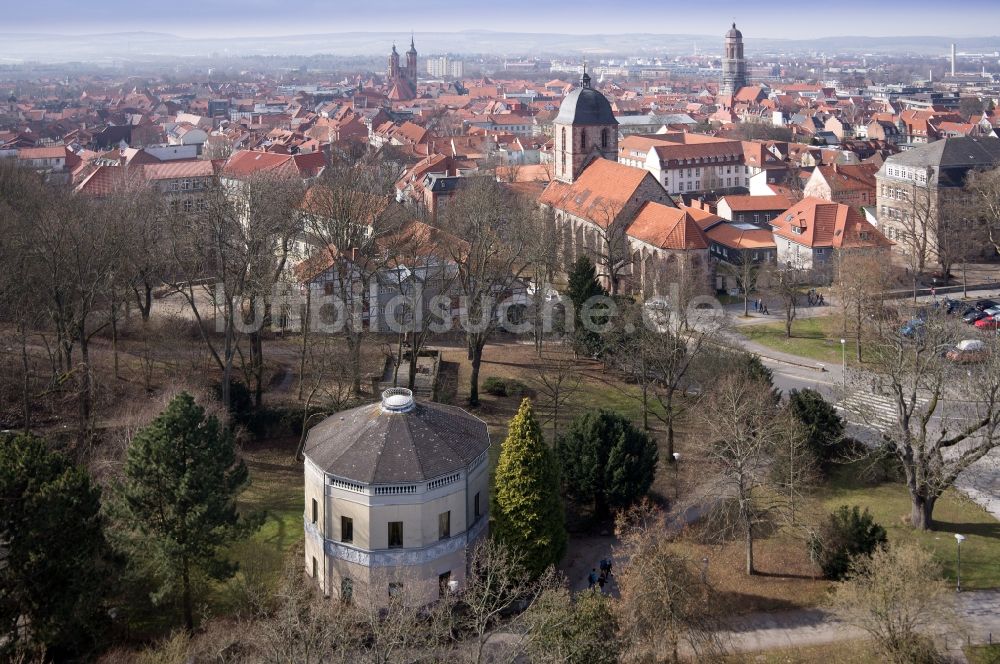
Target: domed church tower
[734, 67]
[585, 129]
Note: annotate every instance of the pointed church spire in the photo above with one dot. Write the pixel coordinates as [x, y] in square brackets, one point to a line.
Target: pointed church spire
[585, 79]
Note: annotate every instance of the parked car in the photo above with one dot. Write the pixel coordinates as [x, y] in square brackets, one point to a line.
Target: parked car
[988, 323]
[968, 351]
[974, 316]
[950, 306]
[983, 305]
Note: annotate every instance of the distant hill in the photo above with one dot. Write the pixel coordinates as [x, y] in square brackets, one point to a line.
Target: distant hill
[140, 45]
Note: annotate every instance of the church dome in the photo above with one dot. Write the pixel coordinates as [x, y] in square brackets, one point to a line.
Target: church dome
[397, 440]
[585, 106]
[734, 33]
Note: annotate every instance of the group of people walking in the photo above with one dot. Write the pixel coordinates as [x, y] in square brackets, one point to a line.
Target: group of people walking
[760, 306]
[599, 580]
[815, 298]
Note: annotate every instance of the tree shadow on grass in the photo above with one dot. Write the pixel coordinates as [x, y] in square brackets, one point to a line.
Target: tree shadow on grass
[987, 530]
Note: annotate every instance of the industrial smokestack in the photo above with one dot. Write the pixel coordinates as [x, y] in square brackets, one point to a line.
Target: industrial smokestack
[953, 61]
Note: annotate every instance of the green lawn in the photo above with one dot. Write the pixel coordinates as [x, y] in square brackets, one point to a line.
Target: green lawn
[276, 490]
[815, 338]
[985, 654]
[890, 505]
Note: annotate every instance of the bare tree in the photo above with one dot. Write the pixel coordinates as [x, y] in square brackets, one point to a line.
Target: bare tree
[543, 257]
[947, 415]
[919, 225]
[396, 625]
[785, 283]
[557, 380]
[741, 432]
[610, 249]
[860, 282]
[350, 216]
[494, 586]
[897, 597]
[747, 272]
[984, 187]
[496, 227]
[231, 253]
[76, 246]
[665, 603]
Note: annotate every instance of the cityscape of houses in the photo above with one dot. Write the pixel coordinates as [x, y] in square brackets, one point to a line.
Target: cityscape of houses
[657, 168]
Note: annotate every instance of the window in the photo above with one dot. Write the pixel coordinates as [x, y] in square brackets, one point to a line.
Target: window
[346, 589]
[395, 589]
[444, 525]
[583, 139]
[188, 205]
[315, 511]
[475, 506]
[315, 567]
[395, 534]
[346, 529]
[604, 138]
[443, 581]
[564, 138]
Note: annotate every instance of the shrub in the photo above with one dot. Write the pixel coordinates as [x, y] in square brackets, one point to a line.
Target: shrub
[495, 386]
[504, 387]
[847, 533]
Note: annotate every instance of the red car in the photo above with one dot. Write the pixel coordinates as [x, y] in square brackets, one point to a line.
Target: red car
[988, 323]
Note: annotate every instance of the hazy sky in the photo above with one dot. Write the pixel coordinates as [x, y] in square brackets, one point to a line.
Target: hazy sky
[763, 18]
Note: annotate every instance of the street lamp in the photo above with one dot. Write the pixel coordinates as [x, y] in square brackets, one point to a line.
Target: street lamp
[677, 458]
[843, 354]
[958, 540]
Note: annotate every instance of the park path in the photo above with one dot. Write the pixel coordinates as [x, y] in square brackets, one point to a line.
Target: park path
[979, 613]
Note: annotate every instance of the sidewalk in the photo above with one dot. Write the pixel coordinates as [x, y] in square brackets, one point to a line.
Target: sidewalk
[978, 610]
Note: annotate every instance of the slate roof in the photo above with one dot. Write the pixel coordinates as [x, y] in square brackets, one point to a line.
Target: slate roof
[585, 106]
[373, 446]
[951, 158]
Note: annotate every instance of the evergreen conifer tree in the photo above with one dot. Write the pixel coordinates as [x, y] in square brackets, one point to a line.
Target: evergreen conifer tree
[177, 504]
[527, 510]
[55, 562]
[606, 459]
[583, 285]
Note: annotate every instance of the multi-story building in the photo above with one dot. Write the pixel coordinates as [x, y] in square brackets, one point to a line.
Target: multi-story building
[810, 233]
[397, 495]
[914, 187]
[685, 163]
[443, 66]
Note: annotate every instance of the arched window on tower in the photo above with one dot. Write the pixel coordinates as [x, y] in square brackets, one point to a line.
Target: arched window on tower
[583, 139]
[604, 139]
[564, 144]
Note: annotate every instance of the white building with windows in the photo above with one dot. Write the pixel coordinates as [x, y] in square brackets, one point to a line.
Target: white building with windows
[396, 494]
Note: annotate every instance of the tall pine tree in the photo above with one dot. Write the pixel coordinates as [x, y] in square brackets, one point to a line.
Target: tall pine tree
[177, 504]
[527, 509]
[54, 561]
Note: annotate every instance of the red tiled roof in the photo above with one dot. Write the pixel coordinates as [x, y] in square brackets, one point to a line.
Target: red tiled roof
[667, 228]
[825, 224]
[599, 194]
[756, 203]
[170, 170]
[735, 237]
